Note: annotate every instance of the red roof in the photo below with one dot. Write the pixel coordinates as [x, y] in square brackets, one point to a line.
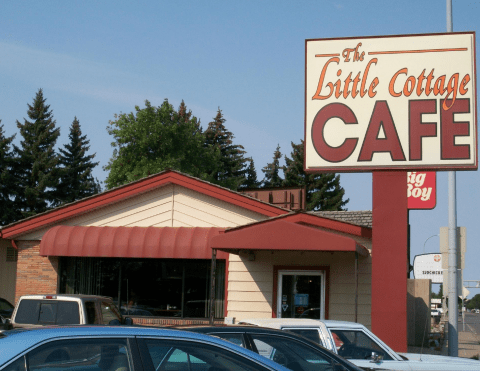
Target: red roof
[283, 235]
[130, 242]
[133, 189]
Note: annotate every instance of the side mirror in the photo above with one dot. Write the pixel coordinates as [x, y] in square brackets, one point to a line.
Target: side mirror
[127, 321]
[376, 358]
[114, 322]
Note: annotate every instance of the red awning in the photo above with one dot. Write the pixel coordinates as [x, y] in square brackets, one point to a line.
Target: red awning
[281, 235]
[130, 242]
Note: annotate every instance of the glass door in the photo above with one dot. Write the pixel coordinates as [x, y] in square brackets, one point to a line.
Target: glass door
[301, 294]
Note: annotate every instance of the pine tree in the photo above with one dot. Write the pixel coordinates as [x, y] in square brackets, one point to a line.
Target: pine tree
[232, 169]
[38, 174]
[76, 179]
[323, 189]
[272, 177]
[8, 212]
[251, 176]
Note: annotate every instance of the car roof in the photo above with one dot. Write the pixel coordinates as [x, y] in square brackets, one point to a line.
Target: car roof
[298, 322]
[15, 342]
[205, 329]
[59, 296]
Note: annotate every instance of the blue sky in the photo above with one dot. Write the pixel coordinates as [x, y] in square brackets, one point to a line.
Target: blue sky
[94, 59]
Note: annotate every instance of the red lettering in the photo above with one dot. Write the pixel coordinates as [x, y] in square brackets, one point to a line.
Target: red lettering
[391, 86]
[381, 118]
[324, 150]
[418, 129]
[450, 129]
[322, 79]
[365, 75]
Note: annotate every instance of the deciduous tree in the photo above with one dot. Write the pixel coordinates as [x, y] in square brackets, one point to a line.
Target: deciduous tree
[153, 139]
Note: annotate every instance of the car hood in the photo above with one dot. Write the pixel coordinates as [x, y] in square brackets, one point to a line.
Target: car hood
[430, 358]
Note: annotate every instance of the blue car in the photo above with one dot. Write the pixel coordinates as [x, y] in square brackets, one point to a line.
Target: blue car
[99, 348]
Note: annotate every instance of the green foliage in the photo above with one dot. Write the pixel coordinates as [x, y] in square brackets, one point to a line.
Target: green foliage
[272, 177]
[323, 189]
[157, 138]
[38, 173]
[76, 179]
[251, 176]
[474, 303]
[8, 211]
[231, 170]
[438, 295]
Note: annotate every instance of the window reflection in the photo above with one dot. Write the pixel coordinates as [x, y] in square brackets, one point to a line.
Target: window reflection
[147, 287]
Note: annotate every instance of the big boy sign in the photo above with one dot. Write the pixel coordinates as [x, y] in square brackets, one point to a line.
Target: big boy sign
[394, 102]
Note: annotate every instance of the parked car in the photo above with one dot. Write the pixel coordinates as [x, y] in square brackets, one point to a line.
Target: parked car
[359, 345]
[6, 308]
[286, 348]
[120, 348]
[41, 310]
[435, 313]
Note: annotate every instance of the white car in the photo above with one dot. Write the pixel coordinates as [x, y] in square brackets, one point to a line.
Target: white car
[355, 342]
[435, 313]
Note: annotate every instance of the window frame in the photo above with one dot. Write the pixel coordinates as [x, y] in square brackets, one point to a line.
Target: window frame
[132, 347]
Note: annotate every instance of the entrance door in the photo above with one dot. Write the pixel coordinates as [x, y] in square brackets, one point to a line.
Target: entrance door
[301, 294]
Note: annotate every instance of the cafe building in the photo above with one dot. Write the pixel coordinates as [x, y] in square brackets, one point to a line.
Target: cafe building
[151, 246]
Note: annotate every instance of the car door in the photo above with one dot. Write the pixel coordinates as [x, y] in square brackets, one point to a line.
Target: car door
[293, 354]
[358, 347]
[80, 354]
[186, 355]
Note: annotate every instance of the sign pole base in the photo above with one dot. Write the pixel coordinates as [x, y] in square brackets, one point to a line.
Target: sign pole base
[389, 258]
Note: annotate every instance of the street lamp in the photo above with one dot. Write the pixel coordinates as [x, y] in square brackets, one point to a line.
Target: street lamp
[427, 240]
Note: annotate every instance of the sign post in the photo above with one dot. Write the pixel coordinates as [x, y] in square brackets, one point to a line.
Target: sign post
[390, 104]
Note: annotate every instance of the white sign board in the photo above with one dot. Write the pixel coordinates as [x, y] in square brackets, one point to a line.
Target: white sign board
[392, 102]
[428, 266]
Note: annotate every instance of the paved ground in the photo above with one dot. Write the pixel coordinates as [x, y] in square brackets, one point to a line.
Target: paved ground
[468, 344]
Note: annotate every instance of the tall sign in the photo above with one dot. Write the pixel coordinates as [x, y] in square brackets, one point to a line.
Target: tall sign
[391, 103]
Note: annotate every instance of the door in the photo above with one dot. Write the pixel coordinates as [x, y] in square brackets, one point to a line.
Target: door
[301, 294]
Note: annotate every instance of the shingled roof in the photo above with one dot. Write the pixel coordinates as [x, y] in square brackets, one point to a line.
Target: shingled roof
[362, 218]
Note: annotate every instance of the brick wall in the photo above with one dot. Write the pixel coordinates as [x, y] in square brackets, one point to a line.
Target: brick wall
[35, 274]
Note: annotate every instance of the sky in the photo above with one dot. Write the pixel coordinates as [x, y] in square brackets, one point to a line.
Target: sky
[97, 59]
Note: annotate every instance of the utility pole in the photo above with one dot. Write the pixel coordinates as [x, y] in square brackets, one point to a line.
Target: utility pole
[452, 244]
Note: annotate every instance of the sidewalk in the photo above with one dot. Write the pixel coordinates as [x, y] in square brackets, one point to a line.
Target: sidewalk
[468, 345]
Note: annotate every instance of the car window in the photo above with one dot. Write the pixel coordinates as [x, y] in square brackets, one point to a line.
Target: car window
[293, 354]
[31, 311]
[80, 355]
[27, 312]
[356, 345]
[67, 313]
[18, 365]
[174, 355]
[48, 312]
[91, 311]
[109, 313]
[311, 334]
[233, 338]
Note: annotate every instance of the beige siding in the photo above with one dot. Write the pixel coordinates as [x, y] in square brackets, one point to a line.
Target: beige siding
[168, 206]
[8, 273]
[250, 283]
[192, 208]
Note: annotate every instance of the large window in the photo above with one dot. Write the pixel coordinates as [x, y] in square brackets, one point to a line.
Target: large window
[147, 287]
